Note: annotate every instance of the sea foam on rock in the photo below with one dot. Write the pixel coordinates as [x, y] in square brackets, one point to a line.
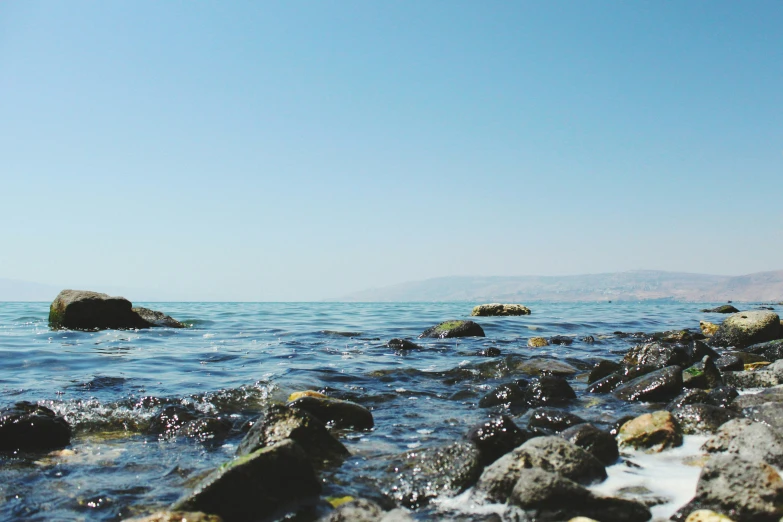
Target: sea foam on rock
[84, 310]
[497, 309]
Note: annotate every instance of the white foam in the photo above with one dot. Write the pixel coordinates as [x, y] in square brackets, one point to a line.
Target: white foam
[664, 474]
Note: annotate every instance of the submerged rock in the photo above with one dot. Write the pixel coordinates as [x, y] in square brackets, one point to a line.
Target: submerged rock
[423, 474]
[549, 496]
[601, 444]
[540, 365]
[561, 340]
[748, 439]
[510, 394]
[495, 309]
[660, 385]
[745, 491]
[278, 423]
[497, 436]
[548, 453]
[747, 328]
[30, 427]
[723, 309]
[449, 329]
[84, 310]
[256, 485]
[334, 412]
[652, 432]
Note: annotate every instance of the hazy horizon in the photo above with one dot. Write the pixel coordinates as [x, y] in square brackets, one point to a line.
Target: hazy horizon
[297, 152]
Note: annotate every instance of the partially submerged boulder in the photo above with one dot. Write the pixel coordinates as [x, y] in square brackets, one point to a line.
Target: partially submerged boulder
[746, 328]
[30, 427]
[723, 309]
[335, 412]
[257, 485]
[495, 309]
[457, 328]
[84, 310]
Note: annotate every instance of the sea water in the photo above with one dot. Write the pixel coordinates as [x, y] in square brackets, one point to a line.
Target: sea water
[235, 358]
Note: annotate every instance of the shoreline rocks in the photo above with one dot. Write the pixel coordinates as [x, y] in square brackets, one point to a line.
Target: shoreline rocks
[746, 328]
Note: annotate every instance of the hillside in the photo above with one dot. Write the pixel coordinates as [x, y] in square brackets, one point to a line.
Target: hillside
[621, 286]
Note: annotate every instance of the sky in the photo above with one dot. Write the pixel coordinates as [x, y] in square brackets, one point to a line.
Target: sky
[269, 151]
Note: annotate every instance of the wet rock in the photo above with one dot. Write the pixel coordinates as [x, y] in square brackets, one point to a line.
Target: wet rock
[155, 318]
[588, 339]
[708, 328]
[537, 342]
[256, 485]
[657, 355]
[334, 412]
[771, 375]
[510, 394]
[449, 329]
[673, 336]
[689, 396]
[338, 333]
[747, 328]
[207, 429]
[598, 443]
[771, 351]
[613, 380]
[278, 423]
[170, 419]
[30, 427]
[770, 413]
[723, 309]
[703, 374]
[652, 432]
[561, 340]
[542, 494]
[552, 454]
[423, 474]
[602, 369]
[176, 516]
[730, 363]
[489, 352]
[497, 309]
[746, 491]
[748, 439]
[83, 310]
[700, 418]
[552, 420]
[548, 390]
[403, 345]
[539, 365]
[660, 385]
[746, 358]
[497, 436]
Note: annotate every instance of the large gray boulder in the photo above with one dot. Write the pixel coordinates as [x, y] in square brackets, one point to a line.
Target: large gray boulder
[256, 486]
[746, 328]
[743, 490]
[495, 309]
[748, 439]
[84, 310]
[548, 453]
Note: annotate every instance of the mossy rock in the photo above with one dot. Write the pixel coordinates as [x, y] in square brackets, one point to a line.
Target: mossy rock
[497, 309]
[456, 328]
[537, 342]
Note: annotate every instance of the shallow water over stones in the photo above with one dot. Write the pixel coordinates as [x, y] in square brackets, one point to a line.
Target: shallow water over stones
[153, 412]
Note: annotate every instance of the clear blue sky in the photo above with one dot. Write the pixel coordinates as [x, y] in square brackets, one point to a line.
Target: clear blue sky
[304, 150]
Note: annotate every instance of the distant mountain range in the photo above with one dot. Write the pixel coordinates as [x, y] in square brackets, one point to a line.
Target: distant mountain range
[635, 285]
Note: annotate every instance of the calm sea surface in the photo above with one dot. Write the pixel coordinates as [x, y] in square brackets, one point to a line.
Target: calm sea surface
[236, 357]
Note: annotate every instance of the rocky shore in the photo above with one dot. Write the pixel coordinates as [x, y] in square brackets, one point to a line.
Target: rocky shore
[721, 380]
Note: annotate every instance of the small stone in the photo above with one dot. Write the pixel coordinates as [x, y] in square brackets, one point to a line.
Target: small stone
[489, 352]
[708, 328]
[602, 369]
[552, 420]
[700, 418]
[548, 390]
[561, 340]
[653, 432]
[509, 394]
[705, 515]
[497, 436]
[403, 345]
[537, 342]
[601, 444]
